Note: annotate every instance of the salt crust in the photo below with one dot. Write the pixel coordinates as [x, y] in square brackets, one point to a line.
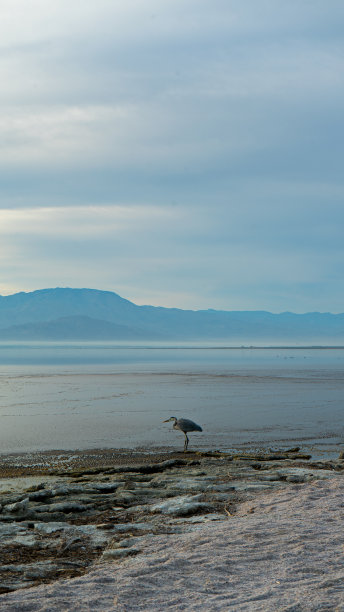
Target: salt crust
[282, 551]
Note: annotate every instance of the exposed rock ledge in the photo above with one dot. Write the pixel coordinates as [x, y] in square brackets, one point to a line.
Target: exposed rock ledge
[62, 514]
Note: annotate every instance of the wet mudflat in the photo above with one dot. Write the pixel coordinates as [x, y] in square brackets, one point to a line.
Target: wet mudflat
[90, 397]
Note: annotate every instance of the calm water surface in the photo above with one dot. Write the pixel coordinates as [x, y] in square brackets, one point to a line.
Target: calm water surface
[87, 395]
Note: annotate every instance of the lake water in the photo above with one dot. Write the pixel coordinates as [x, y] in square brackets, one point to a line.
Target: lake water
[88, 395]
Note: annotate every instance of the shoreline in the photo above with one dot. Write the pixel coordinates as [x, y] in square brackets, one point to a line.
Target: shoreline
[90, 517]
[42, 462]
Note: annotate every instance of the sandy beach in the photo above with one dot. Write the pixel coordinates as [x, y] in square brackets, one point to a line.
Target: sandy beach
[280, 551]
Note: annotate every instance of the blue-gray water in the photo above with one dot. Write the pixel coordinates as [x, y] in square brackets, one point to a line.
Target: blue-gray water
[88, 395]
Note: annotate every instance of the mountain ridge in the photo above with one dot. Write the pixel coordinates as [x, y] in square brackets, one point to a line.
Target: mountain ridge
[68, 313]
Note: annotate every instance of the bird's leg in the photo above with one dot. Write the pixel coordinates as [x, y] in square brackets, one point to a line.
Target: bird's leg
[186, 442]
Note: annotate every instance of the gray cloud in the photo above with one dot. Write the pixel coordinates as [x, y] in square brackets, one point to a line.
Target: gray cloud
[164, 255]
[227, 116]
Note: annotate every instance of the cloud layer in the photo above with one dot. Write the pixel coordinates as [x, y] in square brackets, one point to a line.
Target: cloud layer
[184, 153]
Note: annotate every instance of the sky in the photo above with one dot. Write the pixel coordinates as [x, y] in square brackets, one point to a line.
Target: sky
[182, 153]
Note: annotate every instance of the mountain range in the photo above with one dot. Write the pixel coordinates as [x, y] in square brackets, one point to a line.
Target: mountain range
[91, 314]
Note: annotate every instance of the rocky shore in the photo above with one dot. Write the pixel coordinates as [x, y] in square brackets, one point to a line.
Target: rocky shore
[63, 513]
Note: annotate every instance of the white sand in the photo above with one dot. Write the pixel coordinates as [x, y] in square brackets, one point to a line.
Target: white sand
[286, 555]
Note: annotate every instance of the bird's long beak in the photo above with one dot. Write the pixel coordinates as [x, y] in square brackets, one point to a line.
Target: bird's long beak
[167, 420]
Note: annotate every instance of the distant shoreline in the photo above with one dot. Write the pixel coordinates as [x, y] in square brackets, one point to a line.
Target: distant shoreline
[160, 345]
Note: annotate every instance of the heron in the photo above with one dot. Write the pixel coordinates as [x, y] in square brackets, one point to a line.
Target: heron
[184, 425]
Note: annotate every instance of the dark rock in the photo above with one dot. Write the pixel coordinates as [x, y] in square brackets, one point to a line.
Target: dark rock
[149, 468]
[41, 494]
[37, 487]
[271, 457]
[66, 507]
[10, 587]
[105, 487]
[298, 456]
[48, 517]
[19, 507]
[295, 478]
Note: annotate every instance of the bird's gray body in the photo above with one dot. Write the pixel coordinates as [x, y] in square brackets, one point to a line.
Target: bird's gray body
[184, 425]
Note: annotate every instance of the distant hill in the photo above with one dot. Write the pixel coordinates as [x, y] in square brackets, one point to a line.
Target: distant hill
[90, 314]
[73, 328]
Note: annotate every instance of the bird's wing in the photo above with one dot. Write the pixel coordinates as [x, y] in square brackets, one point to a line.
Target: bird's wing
[188, 425]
